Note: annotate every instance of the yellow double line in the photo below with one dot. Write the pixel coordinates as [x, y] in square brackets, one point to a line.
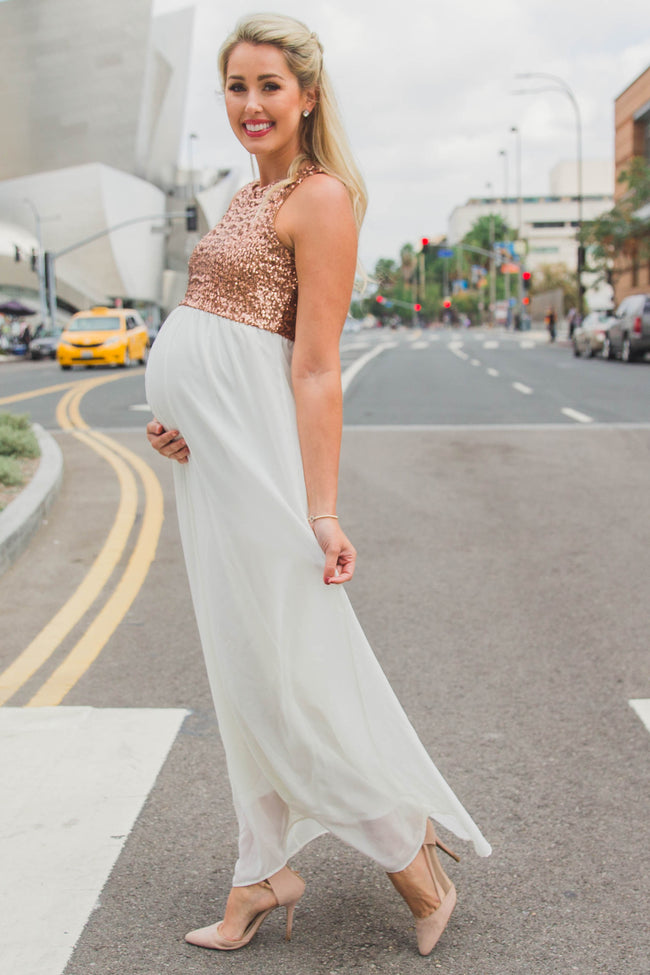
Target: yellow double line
[124, 462]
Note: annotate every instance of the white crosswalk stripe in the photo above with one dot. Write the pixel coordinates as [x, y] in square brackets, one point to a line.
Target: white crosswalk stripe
[74, 780]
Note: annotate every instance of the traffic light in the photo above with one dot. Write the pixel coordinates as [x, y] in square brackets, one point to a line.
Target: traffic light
[526, 278]
[380, 299]
[17, 254]
[417, 307]
[425, 245]
[191, 218]
[447, 303]
[525, 300]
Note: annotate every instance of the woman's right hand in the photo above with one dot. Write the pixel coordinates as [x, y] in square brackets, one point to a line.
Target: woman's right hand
[169, 443]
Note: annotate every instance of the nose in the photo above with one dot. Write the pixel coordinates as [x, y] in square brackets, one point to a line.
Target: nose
[253, 106]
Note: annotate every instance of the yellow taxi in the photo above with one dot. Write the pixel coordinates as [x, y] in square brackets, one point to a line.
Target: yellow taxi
[103, 336]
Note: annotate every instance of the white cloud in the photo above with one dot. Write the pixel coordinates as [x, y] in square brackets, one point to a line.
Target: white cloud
[425, 90]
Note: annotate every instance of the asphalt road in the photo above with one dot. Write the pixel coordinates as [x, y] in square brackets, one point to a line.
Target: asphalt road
[502, 580]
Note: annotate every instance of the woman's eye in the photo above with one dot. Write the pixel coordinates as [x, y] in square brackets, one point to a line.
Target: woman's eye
[271, 86]
[236, 86]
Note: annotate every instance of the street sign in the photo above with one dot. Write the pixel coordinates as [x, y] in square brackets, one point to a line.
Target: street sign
[509, 269]
[445, 252]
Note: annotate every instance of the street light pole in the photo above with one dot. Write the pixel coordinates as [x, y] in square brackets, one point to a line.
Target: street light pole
[192, 136]
[520, 285]
[568, 91]
[504, 153]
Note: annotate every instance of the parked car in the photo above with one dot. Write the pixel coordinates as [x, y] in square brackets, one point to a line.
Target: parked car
[44, 345]
[629, 334]
[588, 338]
[103, 336]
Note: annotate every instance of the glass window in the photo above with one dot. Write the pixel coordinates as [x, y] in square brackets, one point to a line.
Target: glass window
[94, 323]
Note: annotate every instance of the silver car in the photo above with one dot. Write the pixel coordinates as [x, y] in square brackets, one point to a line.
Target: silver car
[589, 338]
[629, 334]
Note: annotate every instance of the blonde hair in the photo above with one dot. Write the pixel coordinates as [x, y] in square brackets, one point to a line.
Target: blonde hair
[322, 137]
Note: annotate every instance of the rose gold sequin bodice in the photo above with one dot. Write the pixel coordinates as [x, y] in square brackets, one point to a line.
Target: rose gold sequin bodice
[241, 270]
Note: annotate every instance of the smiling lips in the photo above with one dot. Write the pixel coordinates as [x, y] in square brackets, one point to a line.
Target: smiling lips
[258, 128]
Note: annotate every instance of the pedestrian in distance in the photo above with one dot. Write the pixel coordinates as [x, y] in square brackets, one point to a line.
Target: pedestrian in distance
[550, 322]
[245, 386]
[572, 321]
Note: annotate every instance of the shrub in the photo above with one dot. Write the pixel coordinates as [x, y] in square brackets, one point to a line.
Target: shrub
[15, 421]
[10, 472]
[17, 443]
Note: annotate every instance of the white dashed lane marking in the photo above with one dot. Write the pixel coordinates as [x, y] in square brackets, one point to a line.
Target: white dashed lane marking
[577, 415]
[522, 388]
[420, 345]
[491, 345]
[475, 362]
[492, 372]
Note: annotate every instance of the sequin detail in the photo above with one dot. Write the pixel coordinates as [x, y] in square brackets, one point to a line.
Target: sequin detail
[241, 270]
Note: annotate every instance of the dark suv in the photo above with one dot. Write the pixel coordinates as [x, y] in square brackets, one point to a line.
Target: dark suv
[628, 335]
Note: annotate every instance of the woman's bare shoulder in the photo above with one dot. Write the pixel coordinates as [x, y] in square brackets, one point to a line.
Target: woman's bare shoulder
[322, 190]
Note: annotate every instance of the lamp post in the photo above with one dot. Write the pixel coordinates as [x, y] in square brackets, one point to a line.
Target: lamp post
[561, 86]
[190, 140]
[520, 286]
[504, 153]
[493, 266]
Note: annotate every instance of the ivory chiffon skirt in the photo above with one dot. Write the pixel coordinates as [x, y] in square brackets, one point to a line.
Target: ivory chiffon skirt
[314, 736]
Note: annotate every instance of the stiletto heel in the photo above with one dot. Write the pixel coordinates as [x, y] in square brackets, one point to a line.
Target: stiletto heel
[450, 853]
[290, 909]
[288, 888]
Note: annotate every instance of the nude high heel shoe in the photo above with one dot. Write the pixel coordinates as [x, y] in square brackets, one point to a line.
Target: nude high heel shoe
[288, 888]
[429, 929]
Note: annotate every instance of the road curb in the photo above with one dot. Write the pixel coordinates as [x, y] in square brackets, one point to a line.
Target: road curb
[23, 516]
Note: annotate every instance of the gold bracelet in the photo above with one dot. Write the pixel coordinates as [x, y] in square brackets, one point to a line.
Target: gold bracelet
[312, 518]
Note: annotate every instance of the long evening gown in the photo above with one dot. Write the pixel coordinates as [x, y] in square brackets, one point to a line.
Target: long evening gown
[314, 736]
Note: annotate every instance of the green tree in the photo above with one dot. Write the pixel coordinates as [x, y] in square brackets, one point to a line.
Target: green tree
[623, 231]
[487, 229]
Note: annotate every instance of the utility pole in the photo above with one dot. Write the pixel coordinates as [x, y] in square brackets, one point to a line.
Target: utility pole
[504, 153]
[40, 266]
[493, 265]
[191, 138]
[520, 284]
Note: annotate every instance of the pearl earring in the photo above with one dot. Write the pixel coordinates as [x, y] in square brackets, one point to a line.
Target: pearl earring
[305, 114]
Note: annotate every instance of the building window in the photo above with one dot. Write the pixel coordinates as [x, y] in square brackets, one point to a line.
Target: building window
[548, 224]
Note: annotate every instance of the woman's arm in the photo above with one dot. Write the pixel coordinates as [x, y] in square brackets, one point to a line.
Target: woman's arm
[318, 223]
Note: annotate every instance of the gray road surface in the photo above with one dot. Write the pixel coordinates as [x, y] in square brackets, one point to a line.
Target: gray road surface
[502, 581]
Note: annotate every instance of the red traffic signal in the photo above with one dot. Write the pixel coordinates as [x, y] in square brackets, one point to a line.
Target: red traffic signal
[526, 275]
[417, 307]
[447, 303]
[425, 241]
[525, 300]
[380, 299]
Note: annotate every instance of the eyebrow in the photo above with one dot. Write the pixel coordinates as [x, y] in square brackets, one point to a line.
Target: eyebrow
[261, 77]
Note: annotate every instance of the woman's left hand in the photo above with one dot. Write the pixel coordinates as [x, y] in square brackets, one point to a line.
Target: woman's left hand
[340, 553]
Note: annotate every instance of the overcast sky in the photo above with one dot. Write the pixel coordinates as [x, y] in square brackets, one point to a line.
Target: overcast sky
[425, 91]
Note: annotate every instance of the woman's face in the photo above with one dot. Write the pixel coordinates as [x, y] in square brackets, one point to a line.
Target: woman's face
[265, 102]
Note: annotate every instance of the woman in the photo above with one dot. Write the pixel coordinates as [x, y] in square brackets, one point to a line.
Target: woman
[244, 382]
